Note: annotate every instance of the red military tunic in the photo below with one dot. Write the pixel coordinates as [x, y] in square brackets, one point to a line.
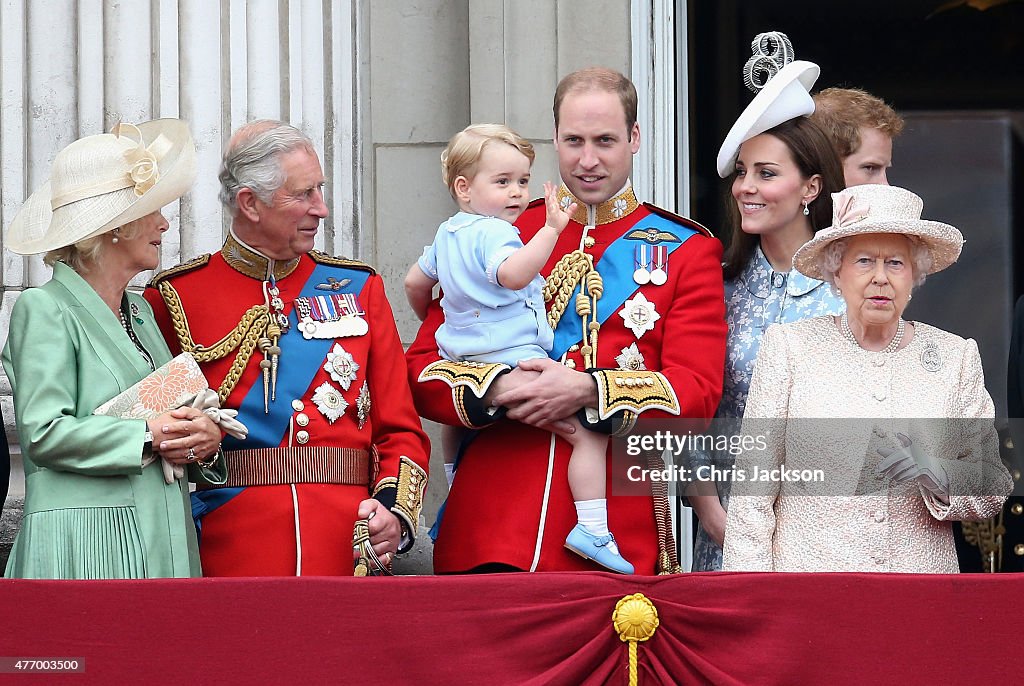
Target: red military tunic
[342, 426]
[510, 502]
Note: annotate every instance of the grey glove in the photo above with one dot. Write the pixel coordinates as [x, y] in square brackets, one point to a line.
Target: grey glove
[909, 463]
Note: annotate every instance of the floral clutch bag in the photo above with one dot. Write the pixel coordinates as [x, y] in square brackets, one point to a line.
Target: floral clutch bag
[172, 385]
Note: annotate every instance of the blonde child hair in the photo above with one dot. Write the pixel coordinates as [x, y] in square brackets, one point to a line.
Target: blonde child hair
[465, 149]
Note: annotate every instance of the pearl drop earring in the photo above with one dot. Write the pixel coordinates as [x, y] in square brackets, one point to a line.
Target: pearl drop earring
[806, 211]
[115, 238]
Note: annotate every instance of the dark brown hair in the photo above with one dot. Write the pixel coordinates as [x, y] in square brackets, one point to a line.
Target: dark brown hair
[813, 154]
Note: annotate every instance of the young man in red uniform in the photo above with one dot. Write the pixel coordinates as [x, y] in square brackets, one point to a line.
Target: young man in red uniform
[646, 339]
[304, 346]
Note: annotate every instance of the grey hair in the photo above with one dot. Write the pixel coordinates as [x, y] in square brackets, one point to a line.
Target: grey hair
[830, 259]
[88, 252]
[253, 160]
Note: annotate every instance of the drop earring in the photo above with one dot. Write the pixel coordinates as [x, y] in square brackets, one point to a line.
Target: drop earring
[806, 211]
[115, 239]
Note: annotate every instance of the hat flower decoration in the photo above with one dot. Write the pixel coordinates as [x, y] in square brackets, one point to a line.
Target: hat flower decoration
[104, 181]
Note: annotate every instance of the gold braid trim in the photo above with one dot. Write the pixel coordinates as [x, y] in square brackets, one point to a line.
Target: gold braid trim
[636, 391]
[410, 485]
[191, 265]
[576, 268]
[243, 337]
[324, 258]
[668, 561]
[477, 376]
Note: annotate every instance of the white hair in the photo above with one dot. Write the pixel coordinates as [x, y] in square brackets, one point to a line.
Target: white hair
[253, 160]
[830, 259]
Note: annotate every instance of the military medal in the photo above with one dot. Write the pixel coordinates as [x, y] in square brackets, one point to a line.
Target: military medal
[639, 315]
[328, 400]
[659, 258]
[341, 366]
[631, 358]
[338, 315]
[363, 404]
[641, 275]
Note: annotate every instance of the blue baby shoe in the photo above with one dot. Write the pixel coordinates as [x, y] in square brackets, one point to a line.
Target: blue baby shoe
[591, 547]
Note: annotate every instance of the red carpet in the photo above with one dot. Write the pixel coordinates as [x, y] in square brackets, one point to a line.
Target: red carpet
[521, 629]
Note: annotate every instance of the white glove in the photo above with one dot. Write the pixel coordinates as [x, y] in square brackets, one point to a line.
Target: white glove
[208, 403]
[909, 463]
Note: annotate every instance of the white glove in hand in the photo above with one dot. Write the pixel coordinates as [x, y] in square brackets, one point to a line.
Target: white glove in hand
[208, 403]
[909, 463]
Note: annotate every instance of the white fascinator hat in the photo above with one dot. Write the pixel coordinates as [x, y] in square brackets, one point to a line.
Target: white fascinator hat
[101, 182]
[783, 86]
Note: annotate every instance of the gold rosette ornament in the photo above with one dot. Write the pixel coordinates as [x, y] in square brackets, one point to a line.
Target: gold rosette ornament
[635, 620]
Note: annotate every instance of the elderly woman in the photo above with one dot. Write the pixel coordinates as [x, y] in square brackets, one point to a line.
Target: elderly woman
[781, 169]
[916, 448]
[96, 504]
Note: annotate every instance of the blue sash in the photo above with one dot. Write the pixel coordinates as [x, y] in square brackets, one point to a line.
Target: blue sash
[301, 359]
[616, 267]
[294, 376]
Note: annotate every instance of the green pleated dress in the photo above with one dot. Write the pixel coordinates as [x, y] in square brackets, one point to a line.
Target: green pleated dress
[91, 510]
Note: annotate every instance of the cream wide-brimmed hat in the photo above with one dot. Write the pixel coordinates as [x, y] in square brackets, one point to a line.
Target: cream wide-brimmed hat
[786, 94]
[873, 208]
[101, 182]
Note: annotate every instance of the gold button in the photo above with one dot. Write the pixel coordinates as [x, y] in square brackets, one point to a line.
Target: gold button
[1009, 443]
[297, 405]
[302, 419]
[1016, 475]
[588, 242]
[302, 437]
[1017, 508]
[1018, 549]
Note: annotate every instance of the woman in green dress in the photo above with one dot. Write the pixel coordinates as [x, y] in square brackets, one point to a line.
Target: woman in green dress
[97, 505]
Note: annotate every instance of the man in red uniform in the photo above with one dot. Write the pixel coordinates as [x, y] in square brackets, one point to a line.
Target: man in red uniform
[647, 338]
[304, 345]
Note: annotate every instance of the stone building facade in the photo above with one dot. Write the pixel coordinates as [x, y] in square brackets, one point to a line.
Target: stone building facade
[380, 87]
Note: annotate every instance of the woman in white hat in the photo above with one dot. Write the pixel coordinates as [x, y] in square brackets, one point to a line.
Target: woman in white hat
[92, 509]
[921, 450]
[782, 168]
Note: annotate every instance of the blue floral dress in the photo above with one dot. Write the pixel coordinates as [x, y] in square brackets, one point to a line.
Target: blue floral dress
[754, 300]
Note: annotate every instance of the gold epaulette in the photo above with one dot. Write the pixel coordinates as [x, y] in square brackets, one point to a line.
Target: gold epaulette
[635, 391]
[678, 219]
[194, 263]
[324, 258]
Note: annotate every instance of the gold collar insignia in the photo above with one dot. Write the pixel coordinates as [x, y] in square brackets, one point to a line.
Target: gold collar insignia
[252, 263]
[610, 210]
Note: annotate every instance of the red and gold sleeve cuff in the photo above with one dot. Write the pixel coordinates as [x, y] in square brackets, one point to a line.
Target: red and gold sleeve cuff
[631, 391]
[476, 377]
[403, 495]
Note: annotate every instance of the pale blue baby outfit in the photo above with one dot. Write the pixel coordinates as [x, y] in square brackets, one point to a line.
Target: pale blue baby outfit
[483, 321]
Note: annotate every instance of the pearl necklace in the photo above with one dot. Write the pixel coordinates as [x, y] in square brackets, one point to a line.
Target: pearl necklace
[901, 326]
[138, 344]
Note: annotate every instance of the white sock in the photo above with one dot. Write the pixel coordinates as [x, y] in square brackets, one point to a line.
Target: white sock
[593, 516]
[449, 473]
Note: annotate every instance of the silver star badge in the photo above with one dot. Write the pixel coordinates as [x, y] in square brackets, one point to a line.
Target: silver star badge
[631, 358]
[328, 400]
[639, 315]
[341, 366]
